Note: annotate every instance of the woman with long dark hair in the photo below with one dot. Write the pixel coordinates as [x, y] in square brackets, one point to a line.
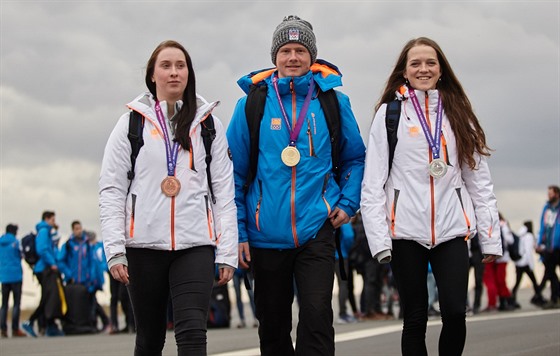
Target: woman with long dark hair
[437, 194]
[163, 231]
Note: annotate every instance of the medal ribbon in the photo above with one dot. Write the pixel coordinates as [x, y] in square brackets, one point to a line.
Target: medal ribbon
[299, 124]
[171, 153]
[435, 143]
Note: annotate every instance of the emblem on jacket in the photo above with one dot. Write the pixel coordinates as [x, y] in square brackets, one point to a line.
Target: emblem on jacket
[275, 124]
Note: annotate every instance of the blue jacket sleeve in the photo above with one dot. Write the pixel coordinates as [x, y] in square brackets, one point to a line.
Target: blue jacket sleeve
[63, 265]
[43, 245]
[352, 158]
[239, 144]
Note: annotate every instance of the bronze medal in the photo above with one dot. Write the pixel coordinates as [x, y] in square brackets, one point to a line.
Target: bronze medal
[170, 186]
[290, 156]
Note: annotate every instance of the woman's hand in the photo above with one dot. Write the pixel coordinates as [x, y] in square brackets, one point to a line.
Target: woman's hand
[489, 258]
[120, 273]
[226, 274]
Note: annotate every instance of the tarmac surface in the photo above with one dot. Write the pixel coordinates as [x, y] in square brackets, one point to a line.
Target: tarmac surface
[526, 331]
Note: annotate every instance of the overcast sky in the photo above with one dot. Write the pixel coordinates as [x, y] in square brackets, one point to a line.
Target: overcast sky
[69, 67]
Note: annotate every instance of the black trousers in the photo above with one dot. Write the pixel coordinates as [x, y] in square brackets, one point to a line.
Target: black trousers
[312, 268]
[187, 275]
[450, 265]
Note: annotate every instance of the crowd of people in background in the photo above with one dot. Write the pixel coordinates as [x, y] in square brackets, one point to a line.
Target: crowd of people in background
[81, 260]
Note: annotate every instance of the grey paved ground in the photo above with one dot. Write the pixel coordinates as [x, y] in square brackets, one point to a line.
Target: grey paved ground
[528, 331]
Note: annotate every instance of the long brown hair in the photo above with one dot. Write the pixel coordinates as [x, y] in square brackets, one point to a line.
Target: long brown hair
[186, 115]
[469, 134]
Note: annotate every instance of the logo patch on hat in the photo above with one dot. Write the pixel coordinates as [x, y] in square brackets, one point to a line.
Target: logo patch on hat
[275, 124]
[293, 34]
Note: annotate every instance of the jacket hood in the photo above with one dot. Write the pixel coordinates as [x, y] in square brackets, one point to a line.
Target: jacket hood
[42, 225]
[326, 75]
[7, 239]
[404, 93]
[145, 103]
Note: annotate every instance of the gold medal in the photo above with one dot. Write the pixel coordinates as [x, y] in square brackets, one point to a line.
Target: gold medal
[170, 186]
[438, 168]
[290, 156]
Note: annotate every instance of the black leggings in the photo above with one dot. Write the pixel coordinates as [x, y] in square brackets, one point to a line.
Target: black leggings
[187, 275]
[450, 265]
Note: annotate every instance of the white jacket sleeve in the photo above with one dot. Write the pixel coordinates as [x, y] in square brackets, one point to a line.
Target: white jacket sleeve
[481, 190]
[113, 187]
[374, 214]
[225, 211]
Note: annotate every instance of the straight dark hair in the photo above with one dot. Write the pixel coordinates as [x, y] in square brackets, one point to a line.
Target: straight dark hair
[186, 114]
[468, 132]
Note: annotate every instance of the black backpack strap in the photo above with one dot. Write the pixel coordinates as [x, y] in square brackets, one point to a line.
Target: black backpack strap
[135, 128]
[254, 111]
[329, 104]
[392, 116]
[208, 134]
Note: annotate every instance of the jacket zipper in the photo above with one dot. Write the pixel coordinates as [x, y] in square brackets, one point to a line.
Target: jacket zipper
[293, 189]
[432, 188]
[173, 223]
[258, 210]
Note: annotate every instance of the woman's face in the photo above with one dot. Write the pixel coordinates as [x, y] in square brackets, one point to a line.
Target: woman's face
[170, 74]
[422, 67]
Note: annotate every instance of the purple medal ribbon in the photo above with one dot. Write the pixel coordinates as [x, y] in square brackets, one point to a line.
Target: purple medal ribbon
[434, 143]
[171, 153]
[299, 124]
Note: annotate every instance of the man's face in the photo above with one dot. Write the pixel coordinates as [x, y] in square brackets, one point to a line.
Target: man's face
[51, 221]
[77, 230]
[293, 60]
[552, 196]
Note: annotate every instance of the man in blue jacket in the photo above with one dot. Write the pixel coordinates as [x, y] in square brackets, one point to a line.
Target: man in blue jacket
[43, 270]
[288, 213]
[549, 243]
[11, 276]
[78, 266]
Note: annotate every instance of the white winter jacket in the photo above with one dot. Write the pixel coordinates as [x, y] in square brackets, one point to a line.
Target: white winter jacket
[408, 204]
[145, 217]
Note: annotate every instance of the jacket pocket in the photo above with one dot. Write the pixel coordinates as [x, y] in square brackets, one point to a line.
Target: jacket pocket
[324, 191]
[310, 138]
[209, 218]
[467, 221]
[132, 213]
[394, 211]
[258, 209]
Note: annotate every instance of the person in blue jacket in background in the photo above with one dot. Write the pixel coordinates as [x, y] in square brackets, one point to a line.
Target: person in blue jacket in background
[46, 250]
[288, 213]
[78, 265]
[11, 276]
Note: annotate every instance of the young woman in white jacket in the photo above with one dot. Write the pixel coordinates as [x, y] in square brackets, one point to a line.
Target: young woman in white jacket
[435, 197]
[162, 233]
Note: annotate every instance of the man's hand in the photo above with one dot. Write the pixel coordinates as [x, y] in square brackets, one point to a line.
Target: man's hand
[338, 217]
[244, 255]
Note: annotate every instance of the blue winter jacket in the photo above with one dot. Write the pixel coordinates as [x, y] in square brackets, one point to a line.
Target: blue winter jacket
[550, 237]
[347, 237]
[10, 259]
[45, 247]
[77, 263]
[286, 206]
